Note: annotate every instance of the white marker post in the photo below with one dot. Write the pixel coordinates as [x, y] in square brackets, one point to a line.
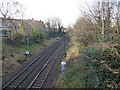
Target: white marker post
[63, 67]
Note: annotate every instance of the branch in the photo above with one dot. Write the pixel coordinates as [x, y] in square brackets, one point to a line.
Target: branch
[91, 11]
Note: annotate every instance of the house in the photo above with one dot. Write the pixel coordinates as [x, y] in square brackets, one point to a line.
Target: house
[15, 26]
[4, 27]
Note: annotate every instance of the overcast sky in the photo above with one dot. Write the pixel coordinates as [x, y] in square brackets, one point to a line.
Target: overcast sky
[66, 10]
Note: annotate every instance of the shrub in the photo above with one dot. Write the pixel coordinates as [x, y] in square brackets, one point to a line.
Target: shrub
[37, 37]
[103, 63]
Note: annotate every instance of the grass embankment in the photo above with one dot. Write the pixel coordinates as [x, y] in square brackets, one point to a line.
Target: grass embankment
[93, 66]
[74, 69]
[13, 57]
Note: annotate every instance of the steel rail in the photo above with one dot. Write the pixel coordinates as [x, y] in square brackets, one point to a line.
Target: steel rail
[44, 68]
[28, 66]
[28, 75]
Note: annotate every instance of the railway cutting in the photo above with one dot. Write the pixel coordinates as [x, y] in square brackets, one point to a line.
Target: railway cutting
[36, 74]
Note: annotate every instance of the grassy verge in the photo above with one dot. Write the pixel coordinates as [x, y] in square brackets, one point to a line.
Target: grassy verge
[93, 66]
[73, 49]
[13, 57]
[73, 77]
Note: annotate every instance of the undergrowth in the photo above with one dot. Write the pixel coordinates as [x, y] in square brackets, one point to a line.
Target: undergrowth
[103, 66]
[96, 66]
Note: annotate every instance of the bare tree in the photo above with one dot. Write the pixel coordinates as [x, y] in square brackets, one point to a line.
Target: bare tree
[102, 14]
[9, 9]
[118, 18]
[54, 23]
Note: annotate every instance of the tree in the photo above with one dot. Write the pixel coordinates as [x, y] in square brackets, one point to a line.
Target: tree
[84, 30]
[118, 18]
[98, 19]
[9, 8]
[54, 23]
[102, 13]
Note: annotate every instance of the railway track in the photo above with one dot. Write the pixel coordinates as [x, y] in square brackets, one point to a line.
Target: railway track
[35, 74]
[42, 75]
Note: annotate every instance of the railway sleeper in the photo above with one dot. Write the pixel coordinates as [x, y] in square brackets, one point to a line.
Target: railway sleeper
[36, 87]
[38, 84]
[13, 86]
[40, 80]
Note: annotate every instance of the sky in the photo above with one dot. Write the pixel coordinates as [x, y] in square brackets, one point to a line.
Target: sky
[66, 10]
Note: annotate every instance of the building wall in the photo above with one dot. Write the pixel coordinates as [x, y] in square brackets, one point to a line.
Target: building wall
[29, 25]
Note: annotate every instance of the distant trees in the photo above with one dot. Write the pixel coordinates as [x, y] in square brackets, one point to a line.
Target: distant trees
[54, 23]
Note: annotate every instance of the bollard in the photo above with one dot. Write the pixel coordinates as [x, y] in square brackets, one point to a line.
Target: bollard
[63, 67]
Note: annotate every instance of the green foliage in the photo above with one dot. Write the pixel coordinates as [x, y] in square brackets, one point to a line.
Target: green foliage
[103, 64]
[107, 38]
[117, 48]
[72, 77]
[101, 51]
[36, 35]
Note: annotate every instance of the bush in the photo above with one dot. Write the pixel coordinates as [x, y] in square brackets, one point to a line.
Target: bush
[103, 63]
[37, 37]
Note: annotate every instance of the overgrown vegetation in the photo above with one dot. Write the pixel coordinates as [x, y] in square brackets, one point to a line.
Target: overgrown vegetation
[95, 66]
[98, 62]
[102, 61]
[73, 77]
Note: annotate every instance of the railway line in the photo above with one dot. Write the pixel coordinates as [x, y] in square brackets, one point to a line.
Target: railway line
[35, 74]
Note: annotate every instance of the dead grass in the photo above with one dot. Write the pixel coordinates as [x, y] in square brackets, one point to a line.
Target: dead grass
[73, 50]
